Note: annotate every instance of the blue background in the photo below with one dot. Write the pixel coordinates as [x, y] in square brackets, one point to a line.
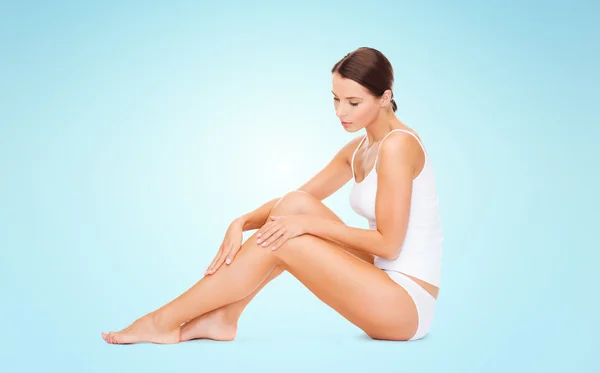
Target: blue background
[132, 134]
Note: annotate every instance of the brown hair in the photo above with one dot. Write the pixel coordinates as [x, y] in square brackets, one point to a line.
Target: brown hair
[369, 68]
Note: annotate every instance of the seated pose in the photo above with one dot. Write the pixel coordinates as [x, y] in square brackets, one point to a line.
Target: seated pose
[385, 279]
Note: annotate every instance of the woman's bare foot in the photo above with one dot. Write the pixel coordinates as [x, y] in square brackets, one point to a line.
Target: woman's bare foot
[143, 329]
[213, 325]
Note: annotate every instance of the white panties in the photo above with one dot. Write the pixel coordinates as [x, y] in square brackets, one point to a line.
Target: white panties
[424, 301]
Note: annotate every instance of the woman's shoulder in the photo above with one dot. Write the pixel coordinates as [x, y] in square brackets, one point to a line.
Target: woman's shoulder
[404, 132]
[400, 139]
[400, 145]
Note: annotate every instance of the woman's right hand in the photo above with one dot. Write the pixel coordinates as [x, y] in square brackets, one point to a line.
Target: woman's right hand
[229, 247]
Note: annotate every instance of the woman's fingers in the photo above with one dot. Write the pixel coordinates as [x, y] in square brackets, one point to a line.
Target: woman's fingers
[268, 232]
[232, 253]
[262, 229]
[280, 241]
[214, 260]
[274, 237]
[221, 259]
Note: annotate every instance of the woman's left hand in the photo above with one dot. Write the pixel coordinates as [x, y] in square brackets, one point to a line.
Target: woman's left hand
[281, 228]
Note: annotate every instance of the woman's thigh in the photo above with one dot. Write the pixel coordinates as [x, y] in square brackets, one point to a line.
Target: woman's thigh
[362, 293]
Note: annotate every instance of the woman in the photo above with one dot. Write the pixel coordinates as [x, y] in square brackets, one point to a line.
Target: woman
[385, 279]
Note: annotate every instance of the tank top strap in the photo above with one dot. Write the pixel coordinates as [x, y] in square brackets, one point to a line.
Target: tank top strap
[354, 154]
[401, 130]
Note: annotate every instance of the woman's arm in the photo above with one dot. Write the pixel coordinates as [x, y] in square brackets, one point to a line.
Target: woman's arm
[258, 217]
[365, 240]
[334, 175]
[395, 172]
[327, 181]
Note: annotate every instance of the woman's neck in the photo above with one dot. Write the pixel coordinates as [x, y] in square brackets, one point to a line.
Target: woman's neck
[377, 130]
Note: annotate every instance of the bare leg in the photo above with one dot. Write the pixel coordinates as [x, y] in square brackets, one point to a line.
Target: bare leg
[240, 279]
[341, 280]
[221, 324]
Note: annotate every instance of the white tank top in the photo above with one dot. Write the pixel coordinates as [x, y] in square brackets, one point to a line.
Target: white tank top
[421, 252]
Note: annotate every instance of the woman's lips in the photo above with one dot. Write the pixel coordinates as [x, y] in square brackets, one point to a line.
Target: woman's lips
[345, 124]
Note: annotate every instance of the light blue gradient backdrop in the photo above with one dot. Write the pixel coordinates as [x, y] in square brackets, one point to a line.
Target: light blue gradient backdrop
[131, 135]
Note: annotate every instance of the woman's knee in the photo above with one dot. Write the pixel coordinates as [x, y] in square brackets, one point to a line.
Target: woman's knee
[289, 250]
[294, 202]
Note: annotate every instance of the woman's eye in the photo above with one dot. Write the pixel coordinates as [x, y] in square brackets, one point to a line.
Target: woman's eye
[352, 103]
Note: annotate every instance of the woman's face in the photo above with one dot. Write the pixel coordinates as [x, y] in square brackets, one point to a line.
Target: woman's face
[354, 105]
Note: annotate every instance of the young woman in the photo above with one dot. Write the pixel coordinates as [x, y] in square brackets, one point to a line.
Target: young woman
[385, 279]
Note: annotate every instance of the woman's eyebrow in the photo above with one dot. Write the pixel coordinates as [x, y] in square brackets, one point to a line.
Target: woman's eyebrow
[347, 97]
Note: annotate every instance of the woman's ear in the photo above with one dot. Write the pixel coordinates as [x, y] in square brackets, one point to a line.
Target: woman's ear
[386, 98]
